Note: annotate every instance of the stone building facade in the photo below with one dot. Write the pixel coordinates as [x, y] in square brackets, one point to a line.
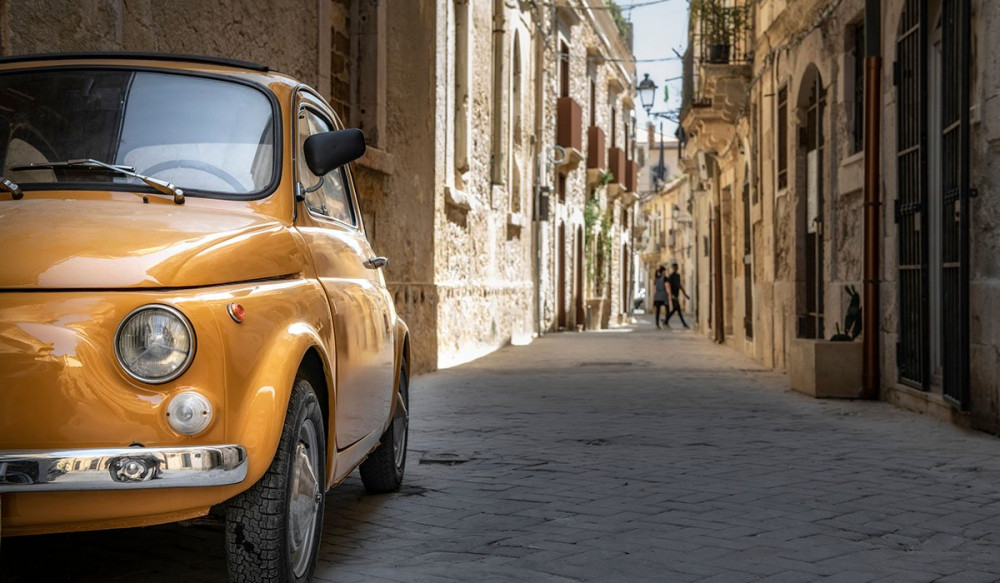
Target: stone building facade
[586, 241]
[775, 154]
[459, 101]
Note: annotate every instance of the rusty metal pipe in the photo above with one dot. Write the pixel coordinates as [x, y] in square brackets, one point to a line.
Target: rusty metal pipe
[718, 307]
[871, 365]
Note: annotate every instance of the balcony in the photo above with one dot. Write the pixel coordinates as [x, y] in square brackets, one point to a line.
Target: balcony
[616, 164]
[595, 148]
[723, 33]
[569, 131]
[717, 71]
[632, 175]
[620, 168]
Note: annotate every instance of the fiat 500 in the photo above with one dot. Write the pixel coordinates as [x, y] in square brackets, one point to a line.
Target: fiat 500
[192, 319]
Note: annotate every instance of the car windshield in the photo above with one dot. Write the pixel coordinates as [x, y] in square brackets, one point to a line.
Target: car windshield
[203, 134]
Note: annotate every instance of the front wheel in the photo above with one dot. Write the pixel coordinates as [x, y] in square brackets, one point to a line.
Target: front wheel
[273, 529]
[383, 470]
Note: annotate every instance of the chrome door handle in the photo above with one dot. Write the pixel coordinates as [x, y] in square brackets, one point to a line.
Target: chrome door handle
[376, 262]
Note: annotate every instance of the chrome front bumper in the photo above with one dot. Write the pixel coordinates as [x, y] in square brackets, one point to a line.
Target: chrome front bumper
[122, 468]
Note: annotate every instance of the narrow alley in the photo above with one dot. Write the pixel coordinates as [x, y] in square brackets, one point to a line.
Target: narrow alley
[626, 455]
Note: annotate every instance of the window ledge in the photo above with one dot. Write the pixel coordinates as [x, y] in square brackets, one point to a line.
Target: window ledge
[516, 220]
[459, 199]
[378, 160]
[853, 158]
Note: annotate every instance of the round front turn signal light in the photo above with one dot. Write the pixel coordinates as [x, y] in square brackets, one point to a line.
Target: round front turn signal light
[189, 413]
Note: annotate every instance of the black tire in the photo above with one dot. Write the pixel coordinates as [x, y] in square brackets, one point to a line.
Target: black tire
[263, 541]
[383, 470]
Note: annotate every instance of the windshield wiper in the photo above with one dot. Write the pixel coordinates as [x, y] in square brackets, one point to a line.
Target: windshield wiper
[161, 186]
[12, 188]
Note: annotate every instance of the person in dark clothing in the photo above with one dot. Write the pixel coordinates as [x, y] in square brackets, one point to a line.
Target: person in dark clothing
[660, 294]
[674, 279]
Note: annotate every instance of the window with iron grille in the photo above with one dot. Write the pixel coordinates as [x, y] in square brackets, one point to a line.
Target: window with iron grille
[782, 138]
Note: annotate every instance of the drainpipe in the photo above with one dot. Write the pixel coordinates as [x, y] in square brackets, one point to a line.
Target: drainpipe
[871, 374]
[718, 307]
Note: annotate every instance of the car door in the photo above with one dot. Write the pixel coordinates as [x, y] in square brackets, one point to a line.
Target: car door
[327, 216]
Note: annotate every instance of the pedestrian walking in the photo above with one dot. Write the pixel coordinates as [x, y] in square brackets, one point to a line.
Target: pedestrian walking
[661, 294]
[676, 288]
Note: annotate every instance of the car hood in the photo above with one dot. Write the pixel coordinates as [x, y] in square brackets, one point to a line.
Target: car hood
[110, 244]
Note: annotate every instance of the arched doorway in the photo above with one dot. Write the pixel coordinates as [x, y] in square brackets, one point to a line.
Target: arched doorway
[626, 280]
[812, 106]
[581, 313]
[932, 206]
[912, 190]
[956, 67]
[747, 257]
[561, 275]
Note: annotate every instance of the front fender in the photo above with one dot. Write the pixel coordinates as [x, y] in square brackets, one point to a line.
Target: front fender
[282, 323]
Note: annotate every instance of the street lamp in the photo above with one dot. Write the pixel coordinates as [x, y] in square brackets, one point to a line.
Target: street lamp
[647, 92]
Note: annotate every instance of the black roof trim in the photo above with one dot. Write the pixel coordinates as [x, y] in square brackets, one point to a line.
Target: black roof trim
[135, 55]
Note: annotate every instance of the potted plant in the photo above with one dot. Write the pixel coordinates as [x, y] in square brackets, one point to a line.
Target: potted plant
[830, 368]
[720, 25]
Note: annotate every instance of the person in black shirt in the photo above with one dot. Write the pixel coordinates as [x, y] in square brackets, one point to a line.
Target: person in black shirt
[674, 280]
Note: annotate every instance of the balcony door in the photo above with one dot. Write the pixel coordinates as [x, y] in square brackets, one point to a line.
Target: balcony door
[812, 144]
[955, 197]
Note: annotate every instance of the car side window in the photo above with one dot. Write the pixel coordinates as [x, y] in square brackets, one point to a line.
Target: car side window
[324, 195]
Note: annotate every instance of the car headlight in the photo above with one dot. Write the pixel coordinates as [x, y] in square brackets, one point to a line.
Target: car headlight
[155, 344]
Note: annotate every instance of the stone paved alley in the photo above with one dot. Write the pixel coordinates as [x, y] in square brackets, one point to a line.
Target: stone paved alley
[630, 455]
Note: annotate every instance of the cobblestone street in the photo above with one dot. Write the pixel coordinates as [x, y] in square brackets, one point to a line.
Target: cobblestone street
[628, 455]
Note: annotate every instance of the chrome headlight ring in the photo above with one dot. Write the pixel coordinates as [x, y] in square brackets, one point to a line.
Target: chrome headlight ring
[173, 334]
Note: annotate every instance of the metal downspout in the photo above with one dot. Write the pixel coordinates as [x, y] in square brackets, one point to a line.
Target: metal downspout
[871, 365]
[719, 308]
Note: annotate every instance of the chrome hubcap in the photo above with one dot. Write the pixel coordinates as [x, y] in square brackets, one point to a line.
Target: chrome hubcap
[305, 500]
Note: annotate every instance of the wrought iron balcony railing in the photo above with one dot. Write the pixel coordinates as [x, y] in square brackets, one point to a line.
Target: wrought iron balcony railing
[723, 31]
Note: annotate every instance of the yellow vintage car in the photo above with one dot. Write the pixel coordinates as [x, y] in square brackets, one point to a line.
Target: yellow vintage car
[192, 319]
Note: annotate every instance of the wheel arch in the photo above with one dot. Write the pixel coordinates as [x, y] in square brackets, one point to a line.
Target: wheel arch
[315, 369]
[299, 352]
[402, 352]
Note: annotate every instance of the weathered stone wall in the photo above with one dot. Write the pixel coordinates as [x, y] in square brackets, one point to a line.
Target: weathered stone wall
[815, 40]
[281, 34]
[985, 275]
[402, 173]
[482, 245]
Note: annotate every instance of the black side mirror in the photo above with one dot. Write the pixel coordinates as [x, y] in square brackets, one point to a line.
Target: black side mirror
[329, 150]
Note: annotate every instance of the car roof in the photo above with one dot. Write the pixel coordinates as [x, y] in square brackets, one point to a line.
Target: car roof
[138, 56]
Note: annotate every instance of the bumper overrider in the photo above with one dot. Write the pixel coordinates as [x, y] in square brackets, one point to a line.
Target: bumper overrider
[125, 468]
